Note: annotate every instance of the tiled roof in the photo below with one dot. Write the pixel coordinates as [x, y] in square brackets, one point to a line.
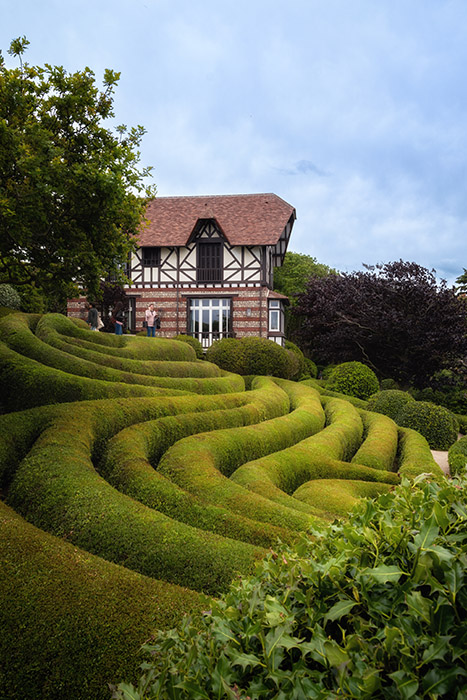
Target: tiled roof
[245, 219]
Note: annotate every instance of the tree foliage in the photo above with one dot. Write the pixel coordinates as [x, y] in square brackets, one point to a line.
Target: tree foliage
[72, 193]
[291, 278]
[394, 317]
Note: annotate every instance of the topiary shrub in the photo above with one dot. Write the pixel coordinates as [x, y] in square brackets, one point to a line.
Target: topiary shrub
[437, 425]
[311, 368]
[9, 297]
[194, 342]
[354, 379]
[252, 355]
[388, 383]
[390, 402]
[457, 456]
[301, 369]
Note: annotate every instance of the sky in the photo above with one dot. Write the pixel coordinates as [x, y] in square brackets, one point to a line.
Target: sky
[353, 111]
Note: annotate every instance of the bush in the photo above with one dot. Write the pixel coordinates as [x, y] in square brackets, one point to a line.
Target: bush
[311, 368]
[252, 355]
[194, 342]
[370, 608]
[354, 379]
[388, 384]
[302, 368]
[71, 622]
[457, 456]
[9, 297]
[390, 402]
[438, 425]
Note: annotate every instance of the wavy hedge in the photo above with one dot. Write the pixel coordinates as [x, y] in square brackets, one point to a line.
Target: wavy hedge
[129, 467]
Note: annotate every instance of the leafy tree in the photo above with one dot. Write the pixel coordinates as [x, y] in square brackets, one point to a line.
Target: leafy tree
[461, 281]
[394, 317]
[71, 190]
[291, 278]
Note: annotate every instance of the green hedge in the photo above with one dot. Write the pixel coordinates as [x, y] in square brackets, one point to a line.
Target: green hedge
[457, 456]
[354, 379]
[129, 456]
[279, 475]
[193, 342]
[338, 496]
[72, 622]
[390, 402]
[324, 391]
[436, 423]
[379, 446]
[414, 455]
[19, 337]
[203, 463]
[57, 489]
[252, 355]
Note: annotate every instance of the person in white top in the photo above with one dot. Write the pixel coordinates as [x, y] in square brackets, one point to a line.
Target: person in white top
[151, 315]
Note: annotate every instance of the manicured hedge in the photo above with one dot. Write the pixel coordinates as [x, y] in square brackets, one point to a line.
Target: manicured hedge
[56, 488]
[436, 423]
[322, 455]
[379, 446]
[71, 622]
[354, 379]
[20, 338]
[457, 456]
[130, 454]
[253, 355]
[390, 402]
[414, 455]
[203, 463]
[338, 496]
[194, 342]
[321, 387]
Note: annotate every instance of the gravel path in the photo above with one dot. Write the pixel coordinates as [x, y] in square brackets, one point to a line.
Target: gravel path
[442, 459]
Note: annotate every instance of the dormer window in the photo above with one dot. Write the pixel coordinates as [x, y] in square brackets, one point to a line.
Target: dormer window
[151, 256]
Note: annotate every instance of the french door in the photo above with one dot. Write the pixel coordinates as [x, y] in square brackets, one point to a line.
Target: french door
[209, 319]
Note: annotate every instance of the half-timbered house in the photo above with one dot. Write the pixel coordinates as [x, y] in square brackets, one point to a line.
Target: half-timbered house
[207, 262]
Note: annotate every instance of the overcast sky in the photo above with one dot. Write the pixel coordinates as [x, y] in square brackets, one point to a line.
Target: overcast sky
[353, 111]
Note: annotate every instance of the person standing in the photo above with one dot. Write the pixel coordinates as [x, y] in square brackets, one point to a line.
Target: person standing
[151, 315]
[118, 317]
[93, 317]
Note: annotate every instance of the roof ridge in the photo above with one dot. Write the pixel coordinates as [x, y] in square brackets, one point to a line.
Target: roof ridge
[212, 196]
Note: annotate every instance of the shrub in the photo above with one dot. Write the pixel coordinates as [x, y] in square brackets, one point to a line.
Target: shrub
[253, 355]
[354, 379]
[370, 608]
[457, 456]
[388, 384]
[9, 297]
[390, 402]
[71, 622]
[302, 368]
[194, 342]
[311, 368]
[438, 425]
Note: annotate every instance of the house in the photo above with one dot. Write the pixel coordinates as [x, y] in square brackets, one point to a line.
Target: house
[207, 262]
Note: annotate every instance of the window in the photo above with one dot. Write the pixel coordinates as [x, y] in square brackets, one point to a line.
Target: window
[209, 319]
[151, 257]
[275, 316]
[209, 262]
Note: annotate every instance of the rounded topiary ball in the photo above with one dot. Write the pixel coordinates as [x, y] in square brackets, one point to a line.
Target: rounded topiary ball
[253, 356]
[9, 297]
[194, 342]
[353, 379]
[436, 423]
[390, 402]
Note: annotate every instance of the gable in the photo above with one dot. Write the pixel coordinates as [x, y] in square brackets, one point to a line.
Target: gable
[251, 219]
